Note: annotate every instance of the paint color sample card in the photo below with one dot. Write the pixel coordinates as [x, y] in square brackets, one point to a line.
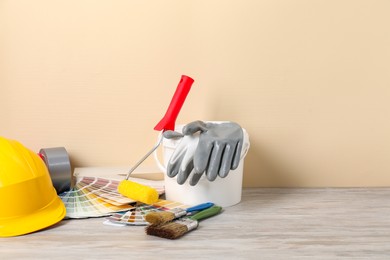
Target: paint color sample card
[96, 197]
[135, 217]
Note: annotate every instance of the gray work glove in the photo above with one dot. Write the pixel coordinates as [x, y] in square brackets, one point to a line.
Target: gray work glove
[181, 163]
[219, 147]
[218, 151]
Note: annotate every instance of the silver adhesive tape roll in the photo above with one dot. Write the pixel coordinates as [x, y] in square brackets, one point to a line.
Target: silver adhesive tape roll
[58, 163]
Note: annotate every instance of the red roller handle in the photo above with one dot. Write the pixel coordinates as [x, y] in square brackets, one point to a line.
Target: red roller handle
[168, 121]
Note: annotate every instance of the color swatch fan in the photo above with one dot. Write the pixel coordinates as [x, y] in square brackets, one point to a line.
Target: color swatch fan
[97, 197]
[135, 216]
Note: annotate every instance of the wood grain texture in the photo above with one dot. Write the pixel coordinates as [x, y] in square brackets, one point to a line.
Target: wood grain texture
[351, 223]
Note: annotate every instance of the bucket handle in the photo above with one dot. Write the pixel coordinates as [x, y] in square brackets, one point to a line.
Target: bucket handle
[244, 151]
[159, 164]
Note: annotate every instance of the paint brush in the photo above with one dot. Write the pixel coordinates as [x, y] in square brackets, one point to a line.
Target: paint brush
[178, 228]
[161, 217]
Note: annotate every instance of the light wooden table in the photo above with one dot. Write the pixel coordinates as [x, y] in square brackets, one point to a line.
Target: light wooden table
[268, 224]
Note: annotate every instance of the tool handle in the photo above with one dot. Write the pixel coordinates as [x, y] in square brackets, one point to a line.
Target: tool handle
[144, 157]
[169, 119]
[200, 207]
[214, 210]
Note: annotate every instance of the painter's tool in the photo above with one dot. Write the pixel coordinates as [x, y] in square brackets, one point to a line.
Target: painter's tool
[141, 192]
[161, 217]
[169, 119]
[58, 163]
[178, 228]
[28, 200]
[94, 197]
[137, 191]
[136, 216]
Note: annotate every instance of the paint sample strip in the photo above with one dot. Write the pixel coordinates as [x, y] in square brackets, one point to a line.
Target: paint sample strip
[136, 216]
[95, 197]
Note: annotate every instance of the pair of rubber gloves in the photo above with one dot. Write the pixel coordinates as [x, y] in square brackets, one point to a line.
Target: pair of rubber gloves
[206, 148]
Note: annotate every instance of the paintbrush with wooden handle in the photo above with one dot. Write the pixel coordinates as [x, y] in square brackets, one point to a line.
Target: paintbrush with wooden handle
[178, 228]
[161, 217]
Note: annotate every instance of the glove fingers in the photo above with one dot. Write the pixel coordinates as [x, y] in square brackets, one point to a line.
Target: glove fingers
[202, 156]
[195, 178]
[215, 162]
[174, 164]
[226, 162]
[185, 172]
[194, 127]
[237, 155]
[169, 134]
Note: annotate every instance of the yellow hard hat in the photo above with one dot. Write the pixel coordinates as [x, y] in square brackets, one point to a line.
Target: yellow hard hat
[28, 200]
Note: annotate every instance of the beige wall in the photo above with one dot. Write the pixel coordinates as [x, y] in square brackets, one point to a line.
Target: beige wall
[309, 80]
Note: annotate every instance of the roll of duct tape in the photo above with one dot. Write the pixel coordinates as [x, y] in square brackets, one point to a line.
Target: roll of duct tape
[58, 163]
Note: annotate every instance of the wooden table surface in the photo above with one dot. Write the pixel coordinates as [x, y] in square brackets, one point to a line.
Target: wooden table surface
[350, 223]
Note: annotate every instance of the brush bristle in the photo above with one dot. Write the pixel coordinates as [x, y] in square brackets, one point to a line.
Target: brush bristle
[171, 230]
[161, 217]
[138, 192]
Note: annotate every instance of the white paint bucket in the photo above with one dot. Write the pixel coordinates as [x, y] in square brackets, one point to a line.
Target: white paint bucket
[224, 192]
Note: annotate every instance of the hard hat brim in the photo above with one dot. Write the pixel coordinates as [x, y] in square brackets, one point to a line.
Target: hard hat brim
[53, 213]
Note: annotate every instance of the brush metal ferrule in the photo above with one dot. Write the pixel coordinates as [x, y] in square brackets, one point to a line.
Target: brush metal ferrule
[189, 223]
[178, 212]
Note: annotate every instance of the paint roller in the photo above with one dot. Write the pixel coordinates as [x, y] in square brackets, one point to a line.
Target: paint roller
[146, 194]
